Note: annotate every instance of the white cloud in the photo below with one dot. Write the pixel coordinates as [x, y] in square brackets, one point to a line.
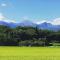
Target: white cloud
[3, 4]
[25, 18]
[41, 21]
[8, 20]
[13, 21]
[3, 18]
[55, 21]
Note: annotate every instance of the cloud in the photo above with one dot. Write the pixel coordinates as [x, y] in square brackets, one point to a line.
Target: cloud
[25, 18]
[41, 21]
[3, 18]
[55, 21]
[9, 21]
[3, 4]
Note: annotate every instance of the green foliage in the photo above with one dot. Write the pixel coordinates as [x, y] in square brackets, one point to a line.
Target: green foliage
[27, 36]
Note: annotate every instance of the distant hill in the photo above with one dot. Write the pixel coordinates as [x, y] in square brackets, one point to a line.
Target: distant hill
[27, 23]
[10, 24]
[43, 25]
[48, 26]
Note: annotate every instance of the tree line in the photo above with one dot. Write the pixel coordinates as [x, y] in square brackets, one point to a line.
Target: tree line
[27, 36]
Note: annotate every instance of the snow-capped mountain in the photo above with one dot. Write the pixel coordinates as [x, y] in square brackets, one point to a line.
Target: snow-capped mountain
[43, 25]
[9, 24]
[27, 23]
[49, 26]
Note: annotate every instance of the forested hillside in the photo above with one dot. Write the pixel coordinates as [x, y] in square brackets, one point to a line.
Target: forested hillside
[27, 36]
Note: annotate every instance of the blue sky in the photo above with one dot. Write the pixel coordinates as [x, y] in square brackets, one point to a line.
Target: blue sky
[34, 10]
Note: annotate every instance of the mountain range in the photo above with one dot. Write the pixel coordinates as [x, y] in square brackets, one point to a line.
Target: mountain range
[43, 25]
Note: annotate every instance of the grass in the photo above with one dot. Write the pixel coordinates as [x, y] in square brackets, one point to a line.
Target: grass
[29, 53]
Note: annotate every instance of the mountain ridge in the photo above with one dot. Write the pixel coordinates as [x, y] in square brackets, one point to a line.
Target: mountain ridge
[43, 25]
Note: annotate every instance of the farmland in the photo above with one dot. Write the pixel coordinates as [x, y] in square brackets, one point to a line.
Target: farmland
[29, 53]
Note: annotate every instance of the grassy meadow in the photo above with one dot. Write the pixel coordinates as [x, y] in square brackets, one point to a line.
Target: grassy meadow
[29, 53]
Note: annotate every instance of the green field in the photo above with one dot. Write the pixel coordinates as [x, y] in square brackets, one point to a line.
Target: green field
[29, 53]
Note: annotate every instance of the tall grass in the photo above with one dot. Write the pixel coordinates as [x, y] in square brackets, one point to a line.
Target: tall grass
[29, 57]
[29, 53]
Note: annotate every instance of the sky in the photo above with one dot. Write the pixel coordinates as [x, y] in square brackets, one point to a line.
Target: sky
[37, 11]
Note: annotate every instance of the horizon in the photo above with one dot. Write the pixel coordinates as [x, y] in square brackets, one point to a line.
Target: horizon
[38, 11]
[27, 21]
